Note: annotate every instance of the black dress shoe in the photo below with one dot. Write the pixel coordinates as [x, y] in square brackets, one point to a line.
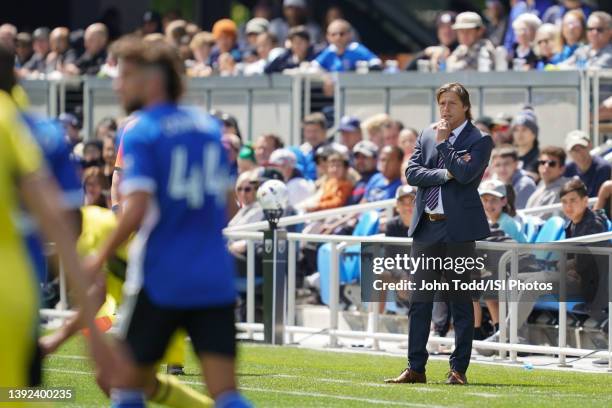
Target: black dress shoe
[456, 378]
[408, 376]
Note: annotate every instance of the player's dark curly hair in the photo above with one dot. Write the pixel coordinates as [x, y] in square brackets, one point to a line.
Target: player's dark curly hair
[7, 69]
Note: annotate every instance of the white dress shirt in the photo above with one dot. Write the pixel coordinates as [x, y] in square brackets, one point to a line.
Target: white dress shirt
[440, 208]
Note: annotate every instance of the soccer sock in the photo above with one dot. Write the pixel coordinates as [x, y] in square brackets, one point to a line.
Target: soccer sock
[232, 399]
[171, 392]
[127, 398]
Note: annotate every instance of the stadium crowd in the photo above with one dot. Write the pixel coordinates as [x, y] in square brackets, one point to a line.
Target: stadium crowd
[531, 35]
[367, 159]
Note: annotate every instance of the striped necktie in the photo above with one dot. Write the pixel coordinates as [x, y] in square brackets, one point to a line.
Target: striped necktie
[433, 193]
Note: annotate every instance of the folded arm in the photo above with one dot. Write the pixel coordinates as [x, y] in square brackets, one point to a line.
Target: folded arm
[466, 171]
[420, 176]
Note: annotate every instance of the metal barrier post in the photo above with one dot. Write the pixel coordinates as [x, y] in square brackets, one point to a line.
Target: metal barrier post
[563, 309]
[296, 110]
[63, 302]
[596, 141]
[250, 285]
[501, 275]
[291, 287]
[514, 305]
[609, 311]
[334, 294]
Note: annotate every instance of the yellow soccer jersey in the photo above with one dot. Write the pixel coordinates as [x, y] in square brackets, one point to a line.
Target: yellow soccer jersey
[19, 157]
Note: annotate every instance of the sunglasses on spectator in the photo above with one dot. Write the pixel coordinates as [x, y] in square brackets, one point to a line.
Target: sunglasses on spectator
[543, 40]
[550, 163]
[245, 189]
[598, 29]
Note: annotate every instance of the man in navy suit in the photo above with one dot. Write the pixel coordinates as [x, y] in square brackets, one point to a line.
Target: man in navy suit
[447, 166]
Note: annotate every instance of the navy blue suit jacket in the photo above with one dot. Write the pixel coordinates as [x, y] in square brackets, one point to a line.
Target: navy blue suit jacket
[466, 220]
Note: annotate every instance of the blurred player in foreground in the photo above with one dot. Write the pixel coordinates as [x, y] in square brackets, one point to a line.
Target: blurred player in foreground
[24, 178]
[175, 184]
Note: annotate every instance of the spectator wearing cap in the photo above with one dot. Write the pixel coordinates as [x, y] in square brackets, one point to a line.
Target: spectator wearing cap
[298, 187]
[61, 53]
[40, 44]
[71, 127]
[597, 54]
[525, 27]
[151, 23]
[592, 170]
[337, 188]
[96, 40]
[246, 159]
[201, 47]
[342, 54]
[267, 51]
[253, 28]
[365, 156]
[505, 167]
[295, 13]
[573, 35]
[547, 45]
[501, 132]
[494, 197]
[23, 49]
[175, 31]
[447, 42]
[314, 127]
[350, 131]
[300, 51]
[226, 41]
[524, 128]
[264, 146]
[497, 21]
[551, 166]
[555, 13]
[470, 31]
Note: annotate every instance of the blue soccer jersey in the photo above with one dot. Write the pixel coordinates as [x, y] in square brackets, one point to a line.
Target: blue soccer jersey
[179, 255]
[50, 138]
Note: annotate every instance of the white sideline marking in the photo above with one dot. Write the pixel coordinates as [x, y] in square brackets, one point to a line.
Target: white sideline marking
[328, 380]
[296, 393]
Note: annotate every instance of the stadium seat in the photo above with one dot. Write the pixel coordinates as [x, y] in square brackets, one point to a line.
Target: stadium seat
[350, 260]
[531, 227]
[550, 303]
[552, 230]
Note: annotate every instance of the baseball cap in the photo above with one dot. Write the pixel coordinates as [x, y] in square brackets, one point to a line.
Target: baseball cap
[501, 119]
[294, 3]
[247, 153]
[256, 25]
[527, 118]
[404, 190]
[151, 16]
[269, 173]
[467, 19]
[349, 124]
[367, 148]
[68, 119]
[282, 157]
[446, 17]
[494, 187]
[575, 138]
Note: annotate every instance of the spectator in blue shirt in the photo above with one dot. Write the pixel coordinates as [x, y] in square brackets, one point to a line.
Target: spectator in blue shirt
[382, 186]
[315, 135]
[573, 35]
[342, 54]
[592, 170]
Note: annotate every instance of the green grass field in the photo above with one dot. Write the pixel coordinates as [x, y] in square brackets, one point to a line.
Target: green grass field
[293, 377]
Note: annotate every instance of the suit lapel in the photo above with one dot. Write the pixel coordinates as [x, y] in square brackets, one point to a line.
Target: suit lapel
[466, 138]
